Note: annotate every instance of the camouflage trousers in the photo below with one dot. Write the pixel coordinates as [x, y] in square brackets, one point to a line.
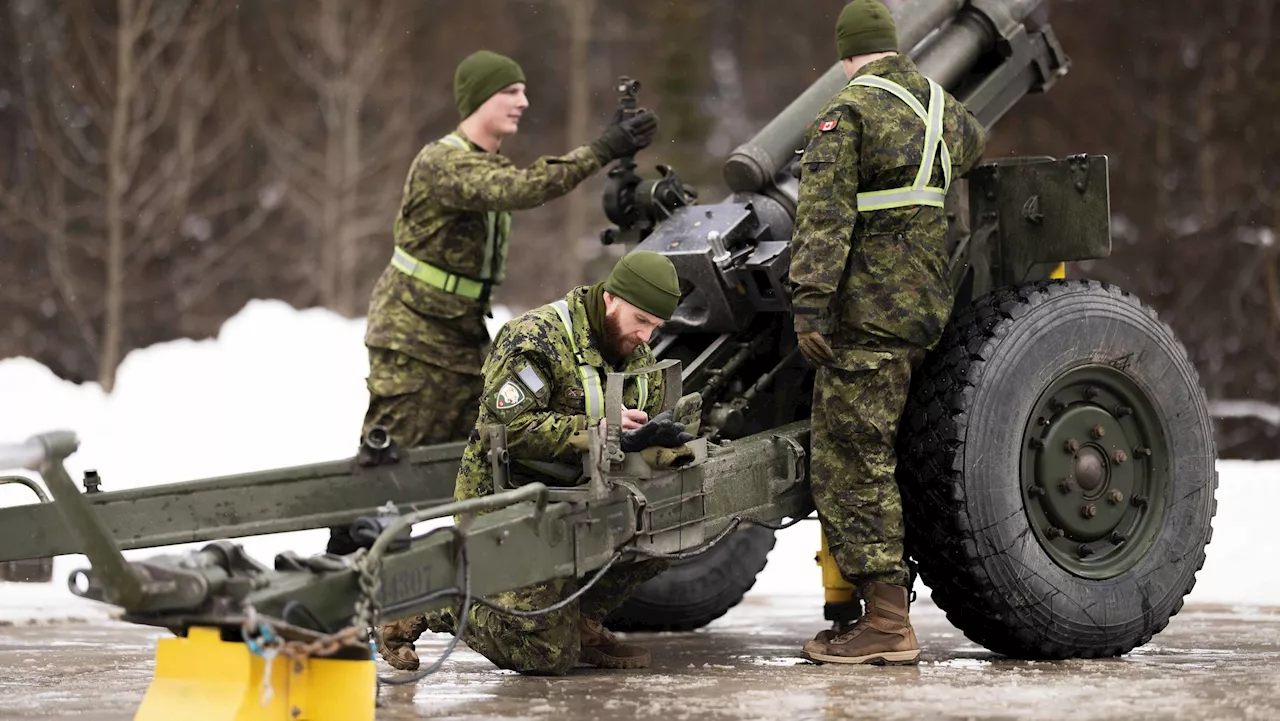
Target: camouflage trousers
[856, 409]
[537, 645]
[419, 404]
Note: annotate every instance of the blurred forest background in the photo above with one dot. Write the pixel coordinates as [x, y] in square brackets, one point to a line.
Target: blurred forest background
[164, 161]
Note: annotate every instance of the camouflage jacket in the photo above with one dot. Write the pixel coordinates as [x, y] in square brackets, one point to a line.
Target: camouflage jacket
[533, 385]
[875, 278]
[443, 221]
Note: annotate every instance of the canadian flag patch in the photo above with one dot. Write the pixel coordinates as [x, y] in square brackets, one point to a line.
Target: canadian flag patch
[828, 125]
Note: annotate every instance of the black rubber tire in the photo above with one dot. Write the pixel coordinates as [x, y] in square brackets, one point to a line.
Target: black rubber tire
[959, 471]
[696, 591]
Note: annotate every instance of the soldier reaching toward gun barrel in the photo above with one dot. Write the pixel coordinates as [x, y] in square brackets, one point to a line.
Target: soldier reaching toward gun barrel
[426, 333]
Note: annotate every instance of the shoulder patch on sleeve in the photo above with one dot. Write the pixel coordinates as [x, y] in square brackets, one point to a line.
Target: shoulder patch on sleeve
[828, 125]
[510, 399]
[510, 395]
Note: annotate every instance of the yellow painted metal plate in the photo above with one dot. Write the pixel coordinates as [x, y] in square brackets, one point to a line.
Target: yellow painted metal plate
[203, 678]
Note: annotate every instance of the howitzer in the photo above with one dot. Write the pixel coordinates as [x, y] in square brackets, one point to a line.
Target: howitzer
[1055, 457]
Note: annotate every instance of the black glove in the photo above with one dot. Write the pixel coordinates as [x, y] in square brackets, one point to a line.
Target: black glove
[661, 430]
[624, 137]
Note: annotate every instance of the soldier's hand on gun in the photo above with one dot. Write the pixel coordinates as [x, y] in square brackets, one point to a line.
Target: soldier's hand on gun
[815, 348]
[662, 430]
[624, 136]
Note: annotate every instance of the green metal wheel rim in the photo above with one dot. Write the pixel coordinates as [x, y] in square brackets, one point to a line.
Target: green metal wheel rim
[1095, 472]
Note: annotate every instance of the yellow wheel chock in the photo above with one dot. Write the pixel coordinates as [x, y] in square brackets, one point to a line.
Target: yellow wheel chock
[835, 589]
[204, 678]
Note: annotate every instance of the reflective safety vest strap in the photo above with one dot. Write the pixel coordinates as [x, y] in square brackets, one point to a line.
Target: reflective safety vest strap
[497, 229]
[642, 388]
[919, 192]
[590, 376]
[456, 141]
[437, 277]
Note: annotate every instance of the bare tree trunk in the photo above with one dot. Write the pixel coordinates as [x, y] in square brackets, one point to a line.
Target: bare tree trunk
[348, 240]
[117, 186]
[580, 14]
[338, 56]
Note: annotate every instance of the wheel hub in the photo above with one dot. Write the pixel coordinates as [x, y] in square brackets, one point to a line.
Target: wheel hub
[1089, 469]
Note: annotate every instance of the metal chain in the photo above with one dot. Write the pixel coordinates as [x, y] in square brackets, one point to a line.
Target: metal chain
[368, 607]
[325, 646]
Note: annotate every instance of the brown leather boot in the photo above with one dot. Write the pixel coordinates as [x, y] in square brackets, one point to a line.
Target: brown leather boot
[883, 636]
[602, 649]
[396, 645]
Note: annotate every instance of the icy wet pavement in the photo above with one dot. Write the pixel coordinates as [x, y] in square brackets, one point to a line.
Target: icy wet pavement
[1211, 663]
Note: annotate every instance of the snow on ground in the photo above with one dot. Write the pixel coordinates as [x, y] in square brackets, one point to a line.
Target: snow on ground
[281, 387]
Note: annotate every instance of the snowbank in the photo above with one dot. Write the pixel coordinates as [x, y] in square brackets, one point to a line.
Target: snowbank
[281, 387]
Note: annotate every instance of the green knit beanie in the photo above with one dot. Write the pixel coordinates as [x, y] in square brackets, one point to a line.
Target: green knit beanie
[479, 76]
[865, 27]
[646, 280]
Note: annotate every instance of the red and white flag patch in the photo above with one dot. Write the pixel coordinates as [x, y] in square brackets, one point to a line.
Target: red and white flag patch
[828, 125]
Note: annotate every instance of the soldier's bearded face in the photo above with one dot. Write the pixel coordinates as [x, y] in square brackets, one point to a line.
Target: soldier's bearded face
[500, 114]
[626, 326]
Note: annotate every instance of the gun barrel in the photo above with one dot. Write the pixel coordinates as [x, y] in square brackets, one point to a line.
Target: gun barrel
[956, 35]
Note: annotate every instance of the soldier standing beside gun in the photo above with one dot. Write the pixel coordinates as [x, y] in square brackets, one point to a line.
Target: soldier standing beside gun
[544, 381]
[426, 332]
[871, 296]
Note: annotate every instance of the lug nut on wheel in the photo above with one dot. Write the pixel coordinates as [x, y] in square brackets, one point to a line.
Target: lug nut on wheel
[1089, 511]
[1067, 484]
[1119, 457]
[1115, 497]
[1071, 445]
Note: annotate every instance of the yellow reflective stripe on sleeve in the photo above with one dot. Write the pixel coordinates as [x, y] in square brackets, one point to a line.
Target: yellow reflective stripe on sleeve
[591, 387]
[919, 192]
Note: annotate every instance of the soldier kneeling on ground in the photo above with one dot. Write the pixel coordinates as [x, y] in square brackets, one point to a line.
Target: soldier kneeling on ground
[544, 381]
